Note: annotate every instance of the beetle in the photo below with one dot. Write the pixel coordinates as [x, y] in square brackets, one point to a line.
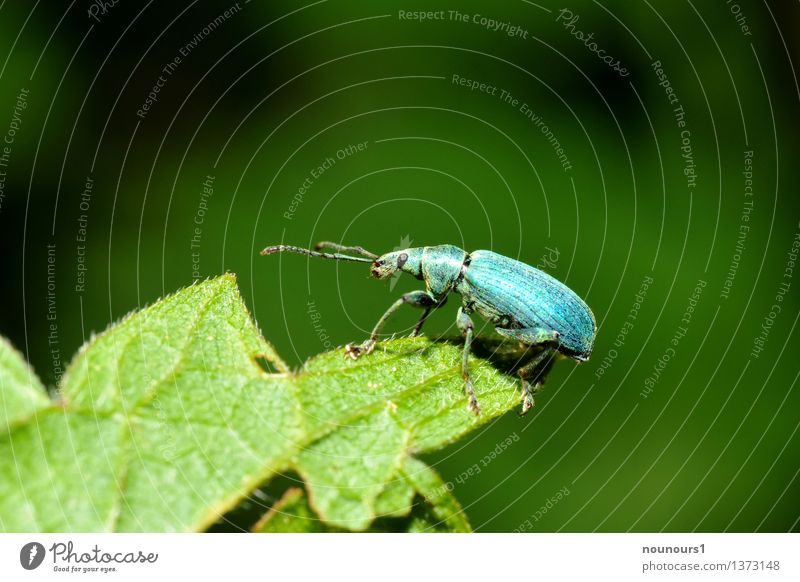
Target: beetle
[522, 302]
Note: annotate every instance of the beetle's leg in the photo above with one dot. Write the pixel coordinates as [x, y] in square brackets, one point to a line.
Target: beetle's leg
[466, 327]
[418, 327]
[420, 299]
[533, 375]
[534, 372]
[421, 322]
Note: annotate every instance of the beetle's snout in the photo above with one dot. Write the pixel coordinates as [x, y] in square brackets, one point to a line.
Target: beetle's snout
[380, 269]
[375, 271]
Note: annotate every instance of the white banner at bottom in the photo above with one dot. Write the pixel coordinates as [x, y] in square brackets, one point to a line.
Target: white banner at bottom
[400, 557]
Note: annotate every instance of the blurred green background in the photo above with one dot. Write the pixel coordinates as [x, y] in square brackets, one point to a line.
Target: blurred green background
[266, 92]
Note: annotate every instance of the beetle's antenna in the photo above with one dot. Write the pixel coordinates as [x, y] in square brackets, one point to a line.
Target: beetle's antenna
[337, 247]
[335, 256]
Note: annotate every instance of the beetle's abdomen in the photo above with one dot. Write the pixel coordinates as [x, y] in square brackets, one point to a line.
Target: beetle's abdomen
[527, 297]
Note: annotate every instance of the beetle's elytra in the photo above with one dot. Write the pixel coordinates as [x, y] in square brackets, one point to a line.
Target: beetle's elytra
[522, 302]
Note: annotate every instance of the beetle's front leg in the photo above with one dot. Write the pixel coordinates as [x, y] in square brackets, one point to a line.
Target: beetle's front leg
[421, 299]
[466, 327]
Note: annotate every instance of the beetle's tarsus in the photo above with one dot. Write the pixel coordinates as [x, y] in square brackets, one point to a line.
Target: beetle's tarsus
[473, 405]
[354, 351]
[527, 399]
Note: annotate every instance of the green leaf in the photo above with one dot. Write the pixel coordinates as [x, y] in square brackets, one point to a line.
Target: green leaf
[21, 392]
[292, 514]
[396, 498]
[433, 510]
[167, 420]
[440, 510]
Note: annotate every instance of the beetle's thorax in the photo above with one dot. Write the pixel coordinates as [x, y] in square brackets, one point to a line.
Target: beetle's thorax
[441, 268]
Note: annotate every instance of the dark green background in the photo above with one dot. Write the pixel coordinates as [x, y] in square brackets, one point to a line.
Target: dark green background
[279, 87]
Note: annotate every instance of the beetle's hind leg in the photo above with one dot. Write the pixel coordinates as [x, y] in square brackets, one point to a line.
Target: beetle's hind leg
[533, 375]
[466, 327]
[534, 372]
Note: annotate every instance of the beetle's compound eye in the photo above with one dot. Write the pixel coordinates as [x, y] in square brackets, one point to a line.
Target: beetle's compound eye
[401, 260]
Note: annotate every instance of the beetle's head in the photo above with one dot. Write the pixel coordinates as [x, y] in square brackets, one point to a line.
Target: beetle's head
[407, 260]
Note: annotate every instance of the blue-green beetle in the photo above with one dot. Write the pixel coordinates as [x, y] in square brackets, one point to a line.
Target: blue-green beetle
[522, 302]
